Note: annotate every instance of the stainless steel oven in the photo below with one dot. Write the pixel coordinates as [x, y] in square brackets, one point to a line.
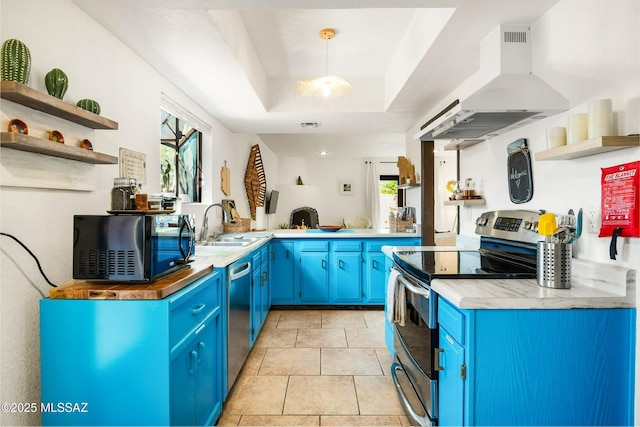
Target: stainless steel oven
[414, 342]
[507, 251]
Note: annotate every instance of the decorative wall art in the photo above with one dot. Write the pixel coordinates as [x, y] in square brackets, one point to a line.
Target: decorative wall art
[255, 181]
[345, 188]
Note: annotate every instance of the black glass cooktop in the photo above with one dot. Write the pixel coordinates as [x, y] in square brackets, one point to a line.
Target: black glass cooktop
[427, 265]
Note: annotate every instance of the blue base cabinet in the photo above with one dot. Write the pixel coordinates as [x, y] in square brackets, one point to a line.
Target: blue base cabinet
[260, 299]
[135, 362]
[536, 366]
[340, 271]
[281, 272]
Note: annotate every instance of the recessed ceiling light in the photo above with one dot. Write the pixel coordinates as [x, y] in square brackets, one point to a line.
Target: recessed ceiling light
[323, 153]
[309, 124]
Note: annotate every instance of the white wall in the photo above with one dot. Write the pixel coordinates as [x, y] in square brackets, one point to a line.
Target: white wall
[128, 90]
[585, 50]
[321, 177]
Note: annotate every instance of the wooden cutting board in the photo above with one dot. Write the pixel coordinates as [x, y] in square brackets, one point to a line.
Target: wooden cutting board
[225, 180]
[83, 289]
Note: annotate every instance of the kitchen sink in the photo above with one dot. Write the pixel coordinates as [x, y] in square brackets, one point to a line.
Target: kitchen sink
[239, 239]
[228, 243]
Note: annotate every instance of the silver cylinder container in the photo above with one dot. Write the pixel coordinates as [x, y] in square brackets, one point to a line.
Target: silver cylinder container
[554, 265]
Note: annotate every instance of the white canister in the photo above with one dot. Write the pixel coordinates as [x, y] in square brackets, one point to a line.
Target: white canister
[600, 121]
[577, 129]
[260, 218]
[556, 137]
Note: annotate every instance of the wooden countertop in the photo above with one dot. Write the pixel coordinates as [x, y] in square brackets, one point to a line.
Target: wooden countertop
[83, 289]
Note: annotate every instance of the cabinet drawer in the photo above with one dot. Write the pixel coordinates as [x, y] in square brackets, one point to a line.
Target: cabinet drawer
[347, 246]
[451, 319]
[189, 310]
[314, 246]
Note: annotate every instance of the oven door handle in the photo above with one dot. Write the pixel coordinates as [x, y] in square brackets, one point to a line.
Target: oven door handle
[413, 288]
[405, 401]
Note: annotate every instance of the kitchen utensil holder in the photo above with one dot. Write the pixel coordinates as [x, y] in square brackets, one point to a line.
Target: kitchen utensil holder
[554, 265]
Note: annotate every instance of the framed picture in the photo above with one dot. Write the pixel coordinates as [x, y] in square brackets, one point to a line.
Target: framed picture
[345, 187]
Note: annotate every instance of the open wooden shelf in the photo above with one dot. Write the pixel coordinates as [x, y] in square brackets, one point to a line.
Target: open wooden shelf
[465, 202]
[18, 141]
[589, 147]
[24, 95]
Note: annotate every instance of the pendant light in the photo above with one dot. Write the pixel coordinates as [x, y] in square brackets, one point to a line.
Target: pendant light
[329, 85]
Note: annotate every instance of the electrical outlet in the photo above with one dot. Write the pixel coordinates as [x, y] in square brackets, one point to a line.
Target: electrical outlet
[592, 220]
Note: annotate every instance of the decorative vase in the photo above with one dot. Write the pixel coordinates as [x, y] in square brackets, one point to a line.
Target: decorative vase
[89, 105]
[57, 83]
[16, 61]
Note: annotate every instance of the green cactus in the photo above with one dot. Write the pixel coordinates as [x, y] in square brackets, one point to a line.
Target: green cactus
[89, 105]
[56, 82]
[16, 61]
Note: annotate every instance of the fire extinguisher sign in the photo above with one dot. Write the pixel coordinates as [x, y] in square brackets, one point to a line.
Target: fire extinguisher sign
[621, 200]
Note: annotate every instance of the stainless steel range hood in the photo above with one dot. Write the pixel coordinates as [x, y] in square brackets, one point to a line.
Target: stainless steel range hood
[502, 96]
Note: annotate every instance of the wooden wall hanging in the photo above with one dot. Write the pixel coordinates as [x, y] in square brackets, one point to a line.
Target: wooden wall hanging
[255, 181]
[225, 179]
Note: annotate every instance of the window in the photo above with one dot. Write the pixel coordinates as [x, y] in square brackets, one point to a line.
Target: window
[180, 157]
[388, 197]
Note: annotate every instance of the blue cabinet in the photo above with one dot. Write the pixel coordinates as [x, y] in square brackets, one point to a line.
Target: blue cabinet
[135, 362]
[536, 367]
[313, 271]
[346, 272]
[281, 272]
[330, 271]
[260, 299]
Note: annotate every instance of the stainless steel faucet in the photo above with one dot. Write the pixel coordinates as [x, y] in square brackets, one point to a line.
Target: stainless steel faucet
[205, 220]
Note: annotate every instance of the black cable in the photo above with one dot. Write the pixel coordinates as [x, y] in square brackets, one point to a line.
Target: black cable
[34, 257]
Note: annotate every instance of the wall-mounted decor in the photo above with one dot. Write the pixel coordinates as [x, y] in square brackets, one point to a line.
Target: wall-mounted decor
[519, 171]
[225, 179]
[345, 187]
[255, 181]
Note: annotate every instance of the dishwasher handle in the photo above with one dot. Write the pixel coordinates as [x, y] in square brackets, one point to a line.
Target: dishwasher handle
[240, 271]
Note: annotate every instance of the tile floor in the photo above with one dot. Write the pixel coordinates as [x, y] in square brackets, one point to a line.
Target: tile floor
[317, 368]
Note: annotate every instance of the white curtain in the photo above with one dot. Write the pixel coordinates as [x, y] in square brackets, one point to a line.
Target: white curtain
[373, 195]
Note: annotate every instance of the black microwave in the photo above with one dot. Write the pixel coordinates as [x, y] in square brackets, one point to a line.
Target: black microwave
[131, 248]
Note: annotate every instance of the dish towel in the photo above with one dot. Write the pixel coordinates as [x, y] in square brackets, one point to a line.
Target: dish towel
[396, 309]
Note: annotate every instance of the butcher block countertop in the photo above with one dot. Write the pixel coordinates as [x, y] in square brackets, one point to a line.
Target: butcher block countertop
[593, 285]
[82, 289]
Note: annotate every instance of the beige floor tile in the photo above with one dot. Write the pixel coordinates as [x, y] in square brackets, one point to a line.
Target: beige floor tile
[319, 395]
[370, 338]
[343, 319]
[276, 338]
[291, 361]
[377, 396]
[385, 360]
[279, 420]
[406, 421]
[227, 420]
[262, 395]
[374, 319]
[321, 338]
[294, 319]
[349, 361]
[253, 362]
[360, 420]
[272, 320]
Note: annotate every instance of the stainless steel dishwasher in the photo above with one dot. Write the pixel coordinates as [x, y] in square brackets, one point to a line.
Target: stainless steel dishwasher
[238, 300]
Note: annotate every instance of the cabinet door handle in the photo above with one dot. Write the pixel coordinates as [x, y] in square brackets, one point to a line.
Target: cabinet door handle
[200, 352]
[193, 360]
[436, 359]
[373, 264]
[340, 264]
[324, 264]
[198, 309]
[273, 256]
[287, 252]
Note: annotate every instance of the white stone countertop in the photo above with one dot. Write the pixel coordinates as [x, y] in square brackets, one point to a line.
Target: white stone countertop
[340, 234]
[222, 256]
[593, 285]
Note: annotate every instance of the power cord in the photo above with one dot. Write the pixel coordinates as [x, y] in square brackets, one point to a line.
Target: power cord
[34, 257]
